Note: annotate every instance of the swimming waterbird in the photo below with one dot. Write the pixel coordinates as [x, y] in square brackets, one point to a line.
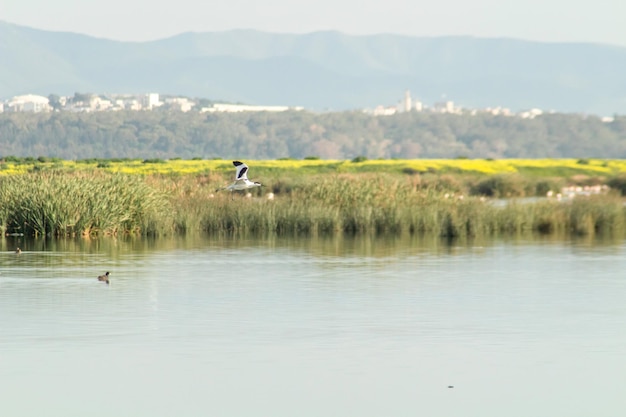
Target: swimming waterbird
[104, 277]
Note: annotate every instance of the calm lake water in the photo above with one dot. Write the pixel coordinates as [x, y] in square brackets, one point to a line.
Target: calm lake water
[313, 327]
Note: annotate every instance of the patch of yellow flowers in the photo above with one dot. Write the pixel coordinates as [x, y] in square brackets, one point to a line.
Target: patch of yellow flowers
[550, 167]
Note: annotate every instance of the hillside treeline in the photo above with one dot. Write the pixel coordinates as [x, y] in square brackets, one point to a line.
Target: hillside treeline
[299, 134]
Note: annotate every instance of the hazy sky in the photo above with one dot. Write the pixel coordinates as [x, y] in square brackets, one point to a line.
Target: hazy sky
[601, 21]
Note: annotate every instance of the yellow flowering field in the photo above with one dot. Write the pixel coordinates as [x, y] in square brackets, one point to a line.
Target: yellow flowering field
[540, 167]
[537, 167]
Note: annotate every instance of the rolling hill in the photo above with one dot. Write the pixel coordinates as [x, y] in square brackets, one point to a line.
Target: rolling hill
[321, 70]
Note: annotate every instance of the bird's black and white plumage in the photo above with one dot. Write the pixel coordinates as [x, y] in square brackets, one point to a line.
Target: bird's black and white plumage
[241, 178]
[104, 277]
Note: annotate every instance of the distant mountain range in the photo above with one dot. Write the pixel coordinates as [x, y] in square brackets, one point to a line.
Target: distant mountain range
[321, 70]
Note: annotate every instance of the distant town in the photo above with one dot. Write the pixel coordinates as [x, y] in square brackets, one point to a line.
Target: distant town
[408, 104]
[147, 102]
[84, 103]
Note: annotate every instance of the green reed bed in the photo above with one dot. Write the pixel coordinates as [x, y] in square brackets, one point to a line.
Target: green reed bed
[446, 217]
[55, 203]
[60, 204]
[388, 204]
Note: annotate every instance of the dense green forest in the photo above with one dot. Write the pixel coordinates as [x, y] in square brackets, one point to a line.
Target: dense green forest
[299, 134]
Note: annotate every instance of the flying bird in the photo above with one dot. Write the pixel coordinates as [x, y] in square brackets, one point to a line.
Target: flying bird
[241, 179]
[104, 277]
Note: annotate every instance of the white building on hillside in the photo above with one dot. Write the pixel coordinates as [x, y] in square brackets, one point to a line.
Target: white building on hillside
[384, 111]
[408, 102]
[445, 107]
[29, 103]
[531, 114]
[99, 104]
[132, 104]
[236, 108]
[179, 103]
[151, 101]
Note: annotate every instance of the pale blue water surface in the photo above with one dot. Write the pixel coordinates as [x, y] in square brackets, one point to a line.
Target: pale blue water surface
[313, 327]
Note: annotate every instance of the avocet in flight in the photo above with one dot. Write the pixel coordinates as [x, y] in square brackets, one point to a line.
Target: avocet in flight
[241, 179]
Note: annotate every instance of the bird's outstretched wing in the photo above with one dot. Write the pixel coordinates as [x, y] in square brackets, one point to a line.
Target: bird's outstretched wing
[242, 170]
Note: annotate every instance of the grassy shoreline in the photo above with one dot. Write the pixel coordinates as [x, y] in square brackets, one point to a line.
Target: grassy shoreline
[158, 198]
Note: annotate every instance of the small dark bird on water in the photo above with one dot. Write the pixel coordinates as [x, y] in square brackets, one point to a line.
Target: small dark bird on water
[104, 277]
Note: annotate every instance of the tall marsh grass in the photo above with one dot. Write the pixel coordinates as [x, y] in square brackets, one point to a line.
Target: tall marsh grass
[62, 203]
[386, 204]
